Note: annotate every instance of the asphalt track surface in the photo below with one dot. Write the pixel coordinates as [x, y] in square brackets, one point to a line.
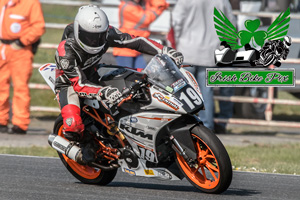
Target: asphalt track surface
[38, 178]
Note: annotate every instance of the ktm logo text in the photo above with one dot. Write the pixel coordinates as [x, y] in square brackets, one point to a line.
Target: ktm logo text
[135, 131]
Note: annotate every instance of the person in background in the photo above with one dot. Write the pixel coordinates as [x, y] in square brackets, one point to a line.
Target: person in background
[135, 17]
[196, 38]
[21, 25]
[226, 107]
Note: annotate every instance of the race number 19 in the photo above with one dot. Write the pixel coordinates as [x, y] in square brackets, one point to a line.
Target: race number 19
[191, 98]
[147, 154]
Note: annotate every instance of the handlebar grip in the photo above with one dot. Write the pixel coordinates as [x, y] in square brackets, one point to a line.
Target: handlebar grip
[133, 88]
[126, 91]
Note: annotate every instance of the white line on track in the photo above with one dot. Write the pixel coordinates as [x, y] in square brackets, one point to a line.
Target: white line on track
[25, 156]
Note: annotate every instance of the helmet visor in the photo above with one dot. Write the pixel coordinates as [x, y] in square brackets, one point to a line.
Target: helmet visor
[92, 39]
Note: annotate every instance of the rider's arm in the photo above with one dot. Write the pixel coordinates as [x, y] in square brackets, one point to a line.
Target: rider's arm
[123, 40]
[118, 39]
[68, 70]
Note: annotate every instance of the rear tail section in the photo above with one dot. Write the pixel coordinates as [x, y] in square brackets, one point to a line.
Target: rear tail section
[48, 73]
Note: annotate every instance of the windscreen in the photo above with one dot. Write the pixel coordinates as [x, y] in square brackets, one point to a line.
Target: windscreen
[164, 73]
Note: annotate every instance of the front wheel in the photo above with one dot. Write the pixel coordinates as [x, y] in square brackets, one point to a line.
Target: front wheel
[212, 171]
[83, 173]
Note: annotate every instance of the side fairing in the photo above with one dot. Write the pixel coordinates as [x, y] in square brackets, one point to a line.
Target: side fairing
[141, 131]
[164, 101]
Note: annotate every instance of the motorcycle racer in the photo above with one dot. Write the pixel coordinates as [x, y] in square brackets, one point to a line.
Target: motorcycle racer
[77, 58]
[273, 51]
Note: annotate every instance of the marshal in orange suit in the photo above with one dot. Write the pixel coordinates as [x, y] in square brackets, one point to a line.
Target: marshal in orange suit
[21, 25]
[135, 17]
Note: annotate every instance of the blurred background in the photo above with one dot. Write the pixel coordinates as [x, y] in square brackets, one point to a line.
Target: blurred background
[59, 13]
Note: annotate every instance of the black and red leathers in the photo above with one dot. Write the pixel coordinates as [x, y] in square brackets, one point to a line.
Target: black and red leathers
[76, 73]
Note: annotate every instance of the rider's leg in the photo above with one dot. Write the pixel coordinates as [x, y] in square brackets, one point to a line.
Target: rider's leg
[72, 122]
[70, 111]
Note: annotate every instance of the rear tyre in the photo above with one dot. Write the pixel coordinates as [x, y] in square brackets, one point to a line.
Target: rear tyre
[83, 173]
[213, 171]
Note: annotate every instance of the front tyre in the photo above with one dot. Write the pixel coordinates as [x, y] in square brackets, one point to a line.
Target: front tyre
[212, 171]
[83, 173]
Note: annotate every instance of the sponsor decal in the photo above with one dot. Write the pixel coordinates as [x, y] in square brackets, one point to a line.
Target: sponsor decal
[178, 85]
[59, 146]
[161, 90]
[92, 60]
[97, 26]
[84, 94]
[64, 63]
[133, 120]
[151, 128]
[135, 131]
[69, 121]
[149, 172]
[166, 101]
[129, 171]
[157, 118]
[164, 174]
[51, 80]
[48, 67]
[194, 82]
[43, 67]
[177, 101]
[169, 89]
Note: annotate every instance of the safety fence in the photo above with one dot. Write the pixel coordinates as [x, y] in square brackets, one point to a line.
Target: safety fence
[238, 99]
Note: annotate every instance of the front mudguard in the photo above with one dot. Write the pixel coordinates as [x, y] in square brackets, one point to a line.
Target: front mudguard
[181, 128]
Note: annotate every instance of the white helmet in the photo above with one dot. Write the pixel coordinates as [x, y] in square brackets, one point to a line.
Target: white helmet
[91, 28]
[287, 41]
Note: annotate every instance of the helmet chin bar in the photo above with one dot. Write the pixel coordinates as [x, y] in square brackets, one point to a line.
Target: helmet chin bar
[91, 50]
[90, 21]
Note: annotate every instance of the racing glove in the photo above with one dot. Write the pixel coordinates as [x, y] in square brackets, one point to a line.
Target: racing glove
[175, 55]
[110, 94]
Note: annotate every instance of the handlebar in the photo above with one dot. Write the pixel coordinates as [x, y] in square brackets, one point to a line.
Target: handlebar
[128, 93]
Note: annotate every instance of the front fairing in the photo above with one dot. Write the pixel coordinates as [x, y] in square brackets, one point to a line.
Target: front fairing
[176, 89]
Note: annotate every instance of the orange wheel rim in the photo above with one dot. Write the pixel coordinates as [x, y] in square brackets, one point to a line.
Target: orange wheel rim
[208, 178]
[82, 170]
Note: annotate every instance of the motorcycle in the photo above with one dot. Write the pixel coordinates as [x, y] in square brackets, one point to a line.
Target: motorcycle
[152, 132]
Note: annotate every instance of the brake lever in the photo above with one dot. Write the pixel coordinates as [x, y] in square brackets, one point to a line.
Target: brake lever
[125, 99]
[128, 93]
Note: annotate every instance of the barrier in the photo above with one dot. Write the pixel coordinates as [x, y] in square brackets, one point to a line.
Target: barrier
[240, 99]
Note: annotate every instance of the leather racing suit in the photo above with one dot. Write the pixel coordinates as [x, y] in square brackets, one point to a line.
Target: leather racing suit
[76, 73]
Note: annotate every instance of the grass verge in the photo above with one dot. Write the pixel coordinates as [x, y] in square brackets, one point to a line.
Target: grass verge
[29, 151]
[282, 159]
[266, 158]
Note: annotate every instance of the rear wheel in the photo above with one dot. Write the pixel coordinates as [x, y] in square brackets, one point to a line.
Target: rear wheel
[84, 173]
[212, 171]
